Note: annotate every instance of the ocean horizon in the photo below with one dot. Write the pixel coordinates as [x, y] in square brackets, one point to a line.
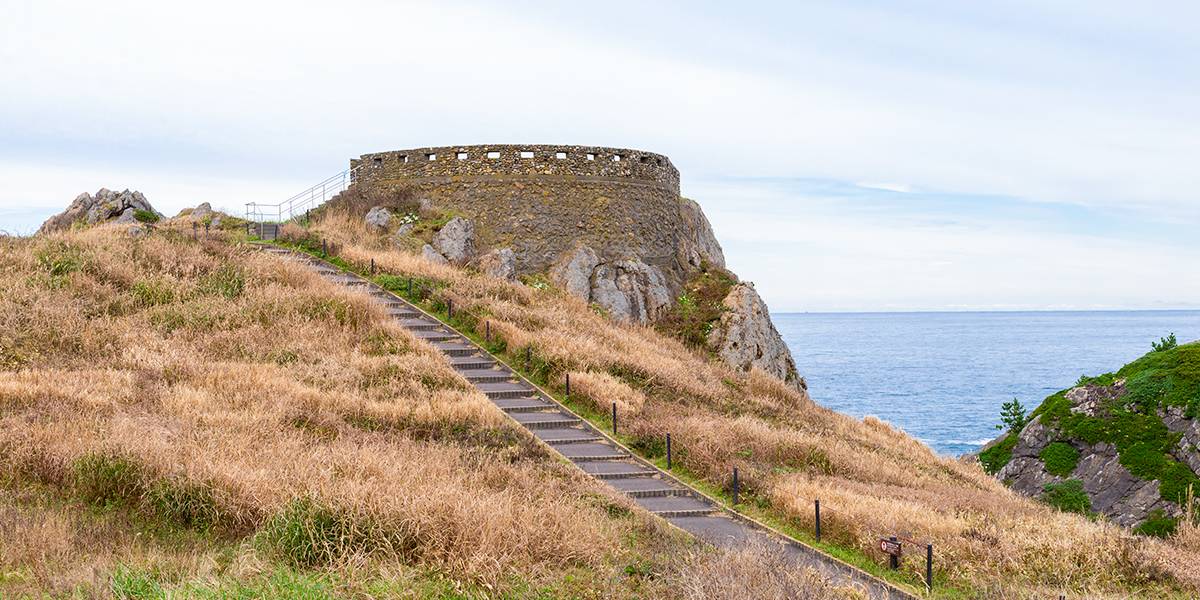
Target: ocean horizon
[943, 375]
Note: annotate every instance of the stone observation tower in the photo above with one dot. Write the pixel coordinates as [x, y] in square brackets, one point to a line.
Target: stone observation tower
[542, 200]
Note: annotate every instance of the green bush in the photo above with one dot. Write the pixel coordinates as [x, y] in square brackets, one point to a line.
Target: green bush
[1067, 496]
[1060, 458]
[145, 216]
[227, 281]
[1157, 525]
[184, 502]
[993, 459]
[308, 535]
[106, 479]
[152, 292]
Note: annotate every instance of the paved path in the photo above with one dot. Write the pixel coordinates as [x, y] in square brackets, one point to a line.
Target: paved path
[591, 449]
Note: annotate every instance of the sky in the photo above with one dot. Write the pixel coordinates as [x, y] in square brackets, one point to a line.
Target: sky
[851, 155]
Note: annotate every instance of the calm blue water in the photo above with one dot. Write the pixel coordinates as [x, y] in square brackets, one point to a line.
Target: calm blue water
[943, 376]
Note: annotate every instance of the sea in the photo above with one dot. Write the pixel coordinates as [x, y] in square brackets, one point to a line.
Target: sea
[943, 376]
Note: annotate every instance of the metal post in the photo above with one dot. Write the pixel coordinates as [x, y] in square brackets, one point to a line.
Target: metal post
[893, 560]
[324, 248]
[818, 509]
[195, 226]
[668, 451]
[929, 567]
[614, 418]
[306, 219]
[487, 331]
[735, 486]
[372, 266]
[206, 229]
[449, 308]
[568, 386]
[410, 287]
[528, 353]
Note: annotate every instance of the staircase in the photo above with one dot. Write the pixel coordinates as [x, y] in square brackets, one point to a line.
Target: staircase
[590, 449]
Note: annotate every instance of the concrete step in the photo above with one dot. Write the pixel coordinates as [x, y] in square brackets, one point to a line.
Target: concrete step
[566, 435]
[419, 324]
[505, 389]
[403, 312]
[646, 487]
[471, 363]
[676, 506]
[545, 420]
[615, 469]
[486, 375]
[522, 405]
[456, 348]
[593, 451]
[435, 335]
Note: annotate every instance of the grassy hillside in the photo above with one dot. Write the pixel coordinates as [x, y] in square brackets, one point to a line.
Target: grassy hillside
[872, 479]
[192, 418]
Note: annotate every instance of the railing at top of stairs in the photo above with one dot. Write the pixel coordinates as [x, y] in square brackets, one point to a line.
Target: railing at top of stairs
[308, 199]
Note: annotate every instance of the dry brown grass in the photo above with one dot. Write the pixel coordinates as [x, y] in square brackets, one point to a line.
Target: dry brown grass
[243, 400]
[873, 479]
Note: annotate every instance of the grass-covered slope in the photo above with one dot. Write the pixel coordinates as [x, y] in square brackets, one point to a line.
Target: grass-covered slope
[872, 479]
[186, 418]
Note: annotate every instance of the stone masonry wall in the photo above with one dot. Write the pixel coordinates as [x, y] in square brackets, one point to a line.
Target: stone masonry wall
[541, 200]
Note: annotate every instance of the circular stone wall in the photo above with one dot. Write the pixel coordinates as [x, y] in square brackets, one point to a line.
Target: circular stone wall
[542, 200]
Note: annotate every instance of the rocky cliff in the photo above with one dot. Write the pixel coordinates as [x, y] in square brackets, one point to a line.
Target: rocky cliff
[106, 205]
[1123, 445]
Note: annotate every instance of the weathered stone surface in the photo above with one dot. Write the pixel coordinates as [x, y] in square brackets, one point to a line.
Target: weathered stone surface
[431, 255]
[201, 211]
[573, 272]
[1091, 400]
[698, 243]
[1187, 451]
[378, 218]
[456, 240]
[630, 290]
[501, 263]
[126, 217]
[104, 206]
[745, 337]
[405, 229]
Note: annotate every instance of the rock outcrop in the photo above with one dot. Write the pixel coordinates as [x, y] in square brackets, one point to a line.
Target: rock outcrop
[431, 255]
[1126, 441]
[745, 337]
[500, 263]
[456, 240]
[106, 205]
[698, 243]
[628, 289]
[378, 218]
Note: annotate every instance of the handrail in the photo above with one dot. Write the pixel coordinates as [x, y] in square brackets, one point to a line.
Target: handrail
[306, 200]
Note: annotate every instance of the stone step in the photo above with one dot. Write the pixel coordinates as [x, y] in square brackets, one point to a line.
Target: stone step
[403, 313]
[523, 405]
[487, 375]
[456, 348]
[471, 363]
[435, 335]
[505, 389]
[615, 469]
[545, 420]
[566, 435]
[419, 324]
[593, 451]
[676, 506]
[645, 487]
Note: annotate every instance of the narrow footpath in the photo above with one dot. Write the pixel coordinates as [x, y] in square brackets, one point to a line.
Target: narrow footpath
[592, 450]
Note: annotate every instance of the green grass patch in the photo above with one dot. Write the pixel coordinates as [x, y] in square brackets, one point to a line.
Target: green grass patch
[308, 534]
[1067, 496]
[995, 458]
[152, 292]
[227, 281]
[695, 312]
[107, 479]
[1060, 458]
[1157, 525]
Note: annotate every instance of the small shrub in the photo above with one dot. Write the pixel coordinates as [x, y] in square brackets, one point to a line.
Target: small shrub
[152, 293]
[1067, 496]
[183, 502]
[1060, 458]
[308, 535]
[59, 259]
[1157, 525]
[130, 584]
[145, 216]
[104, 479]
[227, 281]
[1164, 344]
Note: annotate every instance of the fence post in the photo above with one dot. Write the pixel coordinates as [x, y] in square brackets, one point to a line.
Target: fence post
[614, 418]
[206, 229]
[735, 486]
[324, 248]
[449, 308]
[528, 356]
[817, 504]
[929, 567]
[372, 266]
[893, 560]
[410, 287]
[568, 386]
[196, 226]
[668, 451]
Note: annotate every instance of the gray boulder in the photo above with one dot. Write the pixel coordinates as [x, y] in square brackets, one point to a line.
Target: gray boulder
[456, 240]
[405, 229]
[500, 263]
[106, 205]
[745, 337]
[431, 255]
[378, 218]
[573, 272]
[201, 211]
[126, 217]
[630, 290]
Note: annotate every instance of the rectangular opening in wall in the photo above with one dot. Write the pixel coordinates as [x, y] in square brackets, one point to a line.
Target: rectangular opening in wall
[462, 156]
[431, 156]
[493, 154]
[591, 156]
[403, 158]
[378, 160]
[526, 154]
[616, 158]
[560, 155]
[658, 161]
[645, 160]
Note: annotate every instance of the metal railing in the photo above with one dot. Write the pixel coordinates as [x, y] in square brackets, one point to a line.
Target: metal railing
[304, 201]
